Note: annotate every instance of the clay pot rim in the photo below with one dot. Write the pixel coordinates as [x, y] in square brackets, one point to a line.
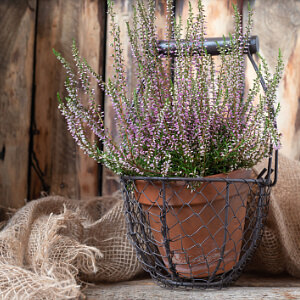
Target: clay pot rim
[239, 175]
[177, 184]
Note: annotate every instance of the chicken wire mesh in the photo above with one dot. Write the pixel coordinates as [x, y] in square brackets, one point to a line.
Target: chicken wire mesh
[195, 232]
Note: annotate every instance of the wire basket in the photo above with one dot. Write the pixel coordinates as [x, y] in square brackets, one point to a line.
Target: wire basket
[186, 238]
[198, 232]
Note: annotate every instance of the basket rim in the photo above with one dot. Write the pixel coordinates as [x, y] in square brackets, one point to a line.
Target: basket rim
[261, 180]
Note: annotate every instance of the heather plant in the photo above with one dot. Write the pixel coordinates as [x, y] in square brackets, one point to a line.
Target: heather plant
[191, 121]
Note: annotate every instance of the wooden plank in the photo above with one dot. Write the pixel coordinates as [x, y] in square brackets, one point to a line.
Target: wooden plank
[161, 13]
[17, 23]
[277, 23]
[157, 293]
[218, 15]
[124, 12]
[62, 167]
[247, 279]
[92, 45]
[250, 286]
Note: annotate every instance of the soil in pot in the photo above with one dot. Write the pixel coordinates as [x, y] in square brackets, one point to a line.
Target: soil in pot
[200, 244]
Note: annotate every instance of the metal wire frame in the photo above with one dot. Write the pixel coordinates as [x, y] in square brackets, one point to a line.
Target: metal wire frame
[152, 235]
[154, 245]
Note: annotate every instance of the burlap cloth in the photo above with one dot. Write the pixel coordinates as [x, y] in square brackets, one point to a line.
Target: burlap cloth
[280, 247]
[51, 245]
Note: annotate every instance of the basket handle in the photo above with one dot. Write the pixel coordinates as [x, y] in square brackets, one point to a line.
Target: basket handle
[212, 46]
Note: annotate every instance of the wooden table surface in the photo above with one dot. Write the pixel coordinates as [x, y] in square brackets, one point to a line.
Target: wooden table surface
[249, 286]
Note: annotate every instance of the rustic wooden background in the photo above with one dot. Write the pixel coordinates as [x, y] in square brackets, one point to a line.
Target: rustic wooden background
[37, 154]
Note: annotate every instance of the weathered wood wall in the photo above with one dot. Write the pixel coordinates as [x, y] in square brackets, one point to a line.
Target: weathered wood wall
[17, 38]
[277, 23]
[58, 165]
[37, 154]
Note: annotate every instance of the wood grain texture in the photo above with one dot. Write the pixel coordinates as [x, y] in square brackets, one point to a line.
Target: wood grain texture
[124, 12]
[92, 45]
[17, 23]
[277, 23]
[62, 167]
[218, 15]
[250, 286]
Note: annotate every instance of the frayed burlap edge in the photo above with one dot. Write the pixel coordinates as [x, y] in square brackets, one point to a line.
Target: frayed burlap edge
[50, 245]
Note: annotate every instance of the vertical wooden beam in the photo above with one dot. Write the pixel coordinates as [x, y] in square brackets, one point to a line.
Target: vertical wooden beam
[124, 12]
[58, 164]
[161, 14]
[277, 25]
[91, 46]
[17, 23]
[218, 15]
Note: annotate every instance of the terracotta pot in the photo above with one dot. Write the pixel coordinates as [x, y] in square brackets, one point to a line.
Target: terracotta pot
[196, 223]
